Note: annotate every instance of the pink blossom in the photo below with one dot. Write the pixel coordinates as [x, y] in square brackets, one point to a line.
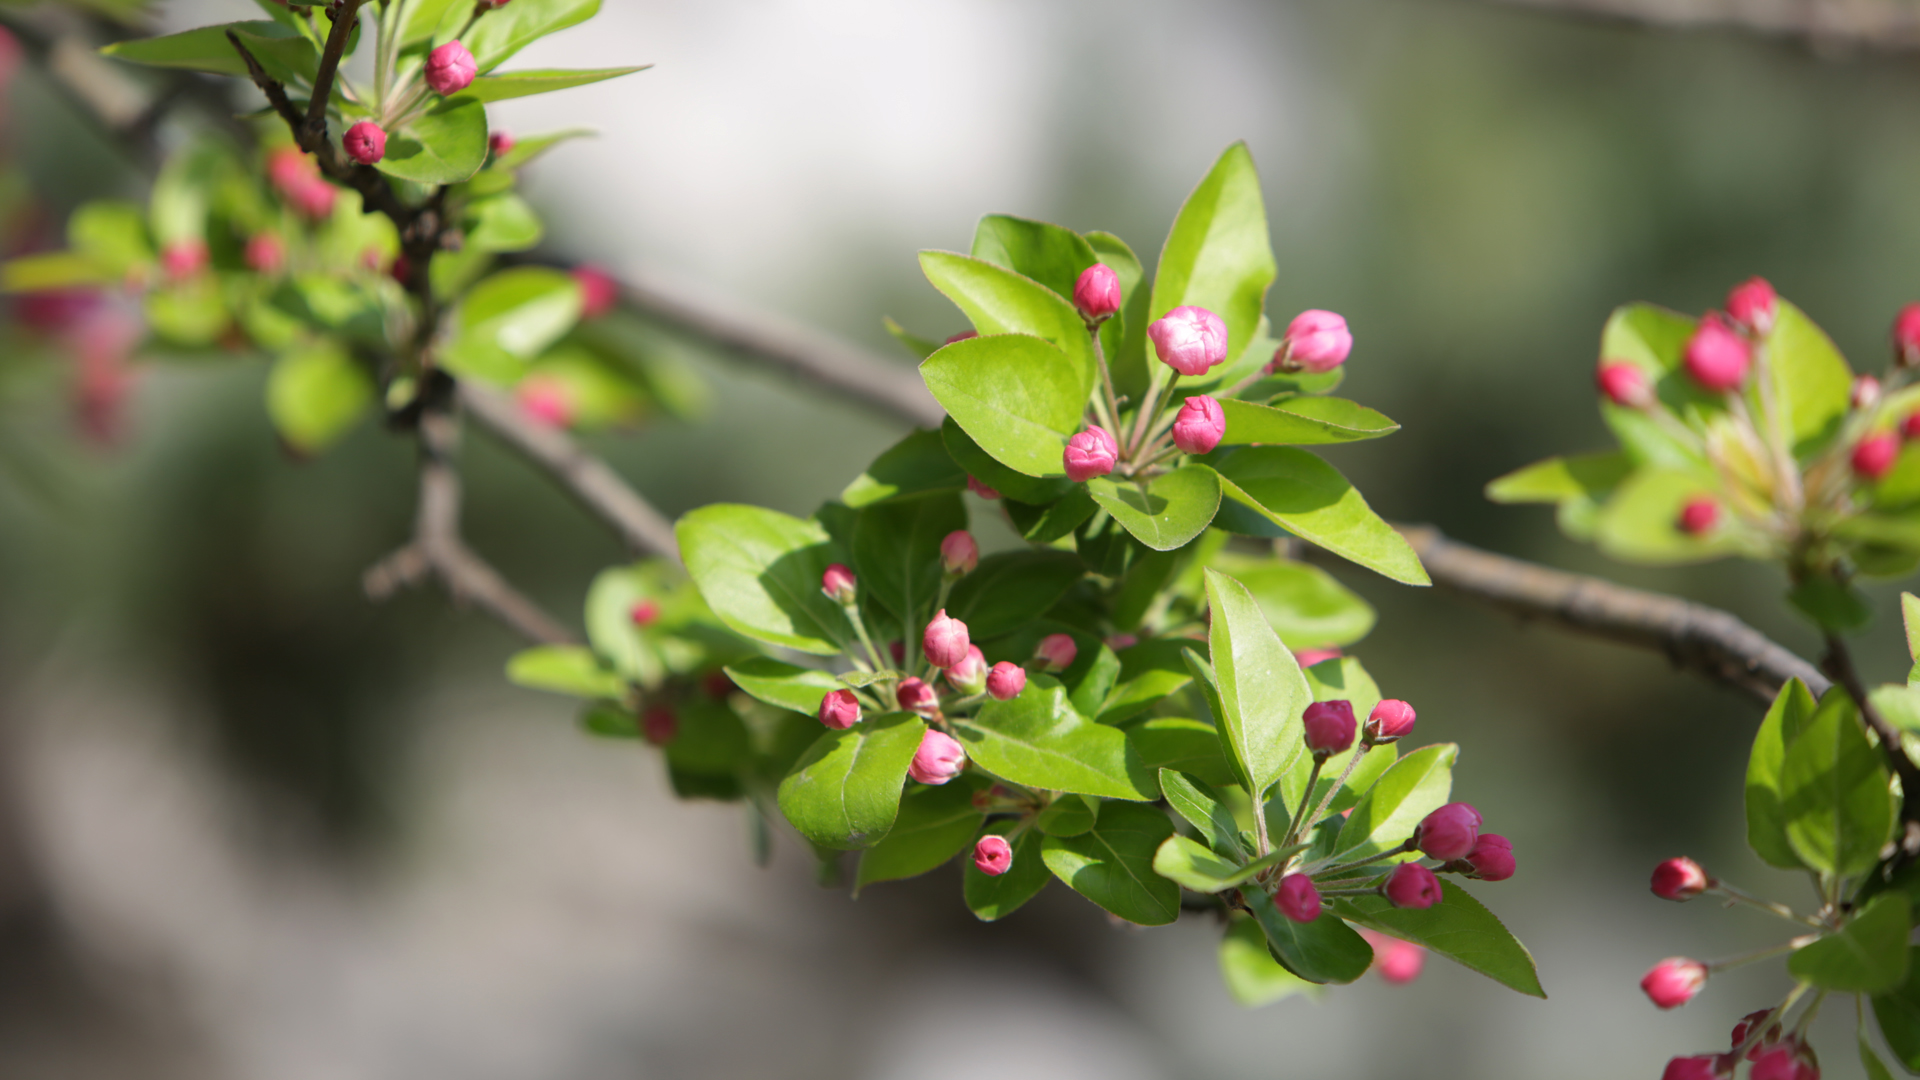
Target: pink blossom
[1190, 340]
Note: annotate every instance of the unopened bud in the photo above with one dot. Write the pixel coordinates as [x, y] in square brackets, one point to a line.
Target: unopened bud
[1699, 1067]
[1329, 727]
[969, 676]
[545, 400]
[1448, 833]
[1874, 455]
[1200, 425]
[1910, 426]
[945, 640]
[1089, 454]
[1097, 293]
[1492, 858]
[1699, 516]
[450, 69]
[598, 291]
[1006, 681]
[266, 254]
[183, 259]
[964, 335]
[839, 584]
[840, 710]
[500, 143]
[1717, 356]
[1673, 982]
[1297, 899]
[918, 698]
[1390, 720]
[1316, 342]
[1787, 1061]
[959, 553]
[1866, 392]
[717, 685]
[1056, 652]
[659, 725]
[1624, 384]
[365, 142]
[1398, 962]
[1906, 336]
[980, 489]
[1753, 304]
[1306, 658]
[992, 855]
[644, 612]
[1190, 340]
[1680, 879]
[1745, 1029]
[939, 759]
[1412, 886]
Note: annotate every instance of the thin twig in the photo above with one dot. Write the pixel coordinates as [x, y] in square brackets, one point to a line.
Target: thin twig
[346, 16]
[1839, 664]
[1827, 26]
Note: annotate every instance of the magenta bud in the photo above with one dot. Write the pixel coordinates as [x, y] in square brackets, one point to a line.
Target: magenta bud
[969, 676]
[1785, 1061]
[365, 142]
[1906, 336]
[839, 583]
[659, 725]
[939, 759]
[1624, 384]
[1698, 1067]
[1673, 982]
[500, 143]
[1910, 426]
[1306, 658]
[1492, 858]
[1006, 681]
[945, 641]
[959, 553]
[1744, 1029]
[1753, 304]
[1390, 720]
[1680, 880]
[1056, 652]
[183, 259]
[1717, 356]
[1317, 342]
[545, 400]
[1097, 293]
[717, 685]
[1448, 833]
[1866, 392]
[644, 613]
[266, 254]
[1329, 727]
[1297, 899]
[1412, 886]
[992, 855]
[1699, 516]
[1398, 962]
[1200, 425]
[1874, 455]
[1089, 454]
[918, 698]
[839, 710]
[598, 291]
[450, 69]
[1189, 339]
[980, 489]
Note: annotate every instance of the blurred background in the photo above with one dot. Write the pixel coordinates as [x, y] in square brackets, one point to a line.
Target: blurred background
[252, 826]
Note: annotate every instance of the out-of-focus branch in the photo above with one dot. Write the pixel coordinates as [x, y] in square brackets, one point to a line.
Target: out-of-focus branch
[1827, 25]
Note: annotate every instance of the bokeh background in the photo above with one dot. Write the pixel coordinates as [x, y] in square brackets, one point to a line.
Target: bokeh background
[253, 827]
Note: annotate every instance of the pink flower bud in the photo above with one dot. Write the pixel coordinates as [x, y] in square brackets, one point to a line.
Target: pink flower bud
[969, 676]
[1412, 886]
[1390, 720]
[1297, 899]
[1785, 1062]
[365, 142]
[992, 855]
[1624, 384]
[1122, 642]
[1753, 304]
[898, 650]
[315, 200]
[1317, 342]
[1874, 455]
[644, 612]
[1698, 1067]
[183, 259]
[1398, 962]
[839, 584]
[1866, 392]
[1492, 858]
[1189, 339]
[1673, 982]
[598, 291]
[500, 143]
[659, 725]
[1090, 453]
[266, 254]
[1910, 426]
[545, 400]
[938, 760]
[980, 489]
[1006, 681]
[1200, 426]
[1699, 516]
[717, 685]
[1906, 336]
[1680, 879]
[959, 553]
[1306, 658]
[1448, 833]
[945, 640]
[1717, 356]
[918, 698]
[840, 710]
[1329, 727]
[450, 69]
[1056, 652]
[1097, 293]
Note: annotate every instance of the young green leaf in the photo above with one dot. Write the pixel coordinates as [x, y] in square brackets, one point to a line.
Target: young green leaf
[1049, 254]
[315, 394]
[1046, 524]
[994, 898]
[528, 149]
[1149, 671]
[564, 669]
[1302, 421]
[1170, 512]
[760, 572]
[1017, 397]
[1009, 590]
[1194, 801]
[1218, 255]
[1308, 607]
[1252, 975]
[527, 83]
[446, 145]
[783, 685]
[1868, 955]
[610, 625]
[1188, 746]
[1325, 950]
[1870, 1061]
[1812, 385]
[1015, 486]
[1197, 868]
[1261, 688]
[1641, 522]
[1459, 928]
[1387, 814]
[844, 792]
[503, 31]
[1557, 479]
[1793, 708]
[1306, 496]
[896, 552]
[916, 465]
[1124, 336]
[1037, 739]
[1068, 815]
[1835, 792]
[1113, 864]
[509, 319]
[286, 56]
[935, 824]
[1898, 1012]
[999, 301]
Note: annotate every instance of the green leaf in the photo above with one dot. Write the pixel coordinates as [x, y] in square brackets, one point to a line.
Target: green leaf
[1173, 509]
[1017, 487]
[1868, 955]
[1046, 524]
[1068, 815]
[1009, 590]
[1459, 928]
[999, 301]
[1308, 497]
[1304, 604]
[1325, 950]
[845, 790]
[1194, 801]
[1218, 255]
[915, 465]
[1830, 605]
[935, 824]
[1113, 865]
[445, 145]
[1017, 397]
[1301, 421]
[1792, 710]
[1899, 1015]
[1124, 336]
[1910, 616]
[1870, 1061]
[509, 319]
[784, 685]
[1812, 385]
[609, 721]
[503, 223]
[1149, 672]
[500, 33]
[708, 752]
[422, 17]
[113, 235]
[1387, 814]
[1252, 975]
[315, 395]
[760, 572]
[527, 83]
[610, 626]
[1049, 254]
[920, 347]
[526, 150]
[994, 898]
[1262, 691]
[1640, 522]
[896, 553]
[1186, 745]
[564, 669]
[1194, 867]
[285, 56]
[1037, 739]
[1834, 792]
[54, 270]
[1557, 479]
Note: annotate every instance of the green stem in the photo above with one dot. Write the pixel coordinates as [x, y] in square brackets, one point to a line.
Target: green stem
[1111, 411]
[1293, 823]
[860, 628]
[1768, 906]
[1357, 863]
[1359, 751]
[1770, 951]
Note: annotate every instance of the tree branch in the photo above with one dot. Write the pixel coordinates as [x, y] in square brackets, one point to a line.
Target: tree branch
[1825, 25]
[1839, 663]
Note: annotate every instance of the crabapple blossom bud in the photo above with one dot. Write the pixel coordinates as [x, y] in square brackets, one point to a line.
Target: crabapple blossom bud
[1906, 336]
[959, 553]
[1090, 453]
[1753, 304]
[992, 855]
[1056, 652]
[1698, 516]
[980, 489]
[939, 759]
[450, 69]
[545, 401]
[266, 254]
[969, 676]
[1492, 858]
[1189, 339]
[1448, 833]
[1412, 886]
[1119, 642]
[365, 142]
[184, 258]
[1785, 1061]
[840, 710]
[1306, 658]
[659, 725]
[1680, 880]
[1745, 1027]
[1910, 426]
[1006, 681]
[1297, 899]
[1317, 341]
[500, 143]
[1200, 425]
[1874, 455]
[717, 684]
[1866, 392]
[839, 584]
[945, 640]
[644, 612]
[1624, 384]
[898, 650]
[598, 291]
[964, 335]
[1097, 293]
[1717, 356]
[1390, 720]
[1698, 1067]
[1673, 982]
[918, 698]
[1398, 962]
[1329, 727]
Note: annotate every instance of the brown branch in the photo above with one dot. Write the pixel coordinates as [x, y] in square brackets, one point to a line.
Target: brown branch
[1839, 663]
[437, 550]
[592, 481]
[1826, 25]
[346, 16]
